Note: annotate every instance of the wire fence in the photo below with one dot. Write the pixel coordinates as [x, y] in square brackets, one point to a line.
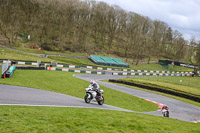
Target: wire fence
[185, 81]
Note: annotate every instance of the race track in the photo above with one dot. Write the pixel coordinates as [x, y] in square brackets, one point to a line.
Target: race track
[178, 110]
[15, 95]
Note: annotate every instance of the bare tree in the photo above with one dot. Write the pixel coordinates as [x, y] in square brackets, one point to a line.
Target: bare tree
[90, 26]
[159, 29]
[198, 54]
[191, 50]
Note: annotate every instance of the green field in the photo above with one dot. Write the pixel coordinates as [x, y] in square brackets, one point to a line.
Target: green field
[184, 84]
[74, 61]
[56, 120]
[16, 55]
[192, 82]
[169, 83]
[36, 51]
[76, 120]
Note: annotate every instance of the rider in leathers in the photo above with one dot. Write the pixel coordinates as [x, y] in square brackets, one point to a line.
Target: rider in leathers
[95, 86]
[165, 107]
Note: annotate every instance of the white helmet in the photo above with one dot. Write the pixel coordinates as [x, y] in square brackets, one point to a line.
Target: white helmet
[164, 105]
[92, 82]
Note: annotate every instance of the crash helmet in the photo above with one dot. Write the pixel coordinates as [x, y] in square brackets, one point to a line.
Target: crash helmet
[92, 82]
[165, 106]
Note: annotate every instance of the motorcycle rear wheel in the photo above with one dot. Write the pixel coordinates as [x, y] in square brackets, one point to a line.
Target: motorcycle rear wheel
[101, 102]
[167, 114]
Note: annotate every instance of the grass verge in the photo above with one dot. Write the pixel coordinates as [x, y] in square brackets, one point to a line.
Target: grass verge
[56, 120]
[164, 94]
[170, 84]
[74, 61]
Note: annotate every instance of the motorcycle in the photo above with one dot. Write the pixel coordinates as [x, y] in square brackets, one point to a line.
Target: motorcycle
[91, 95]
[165, 112]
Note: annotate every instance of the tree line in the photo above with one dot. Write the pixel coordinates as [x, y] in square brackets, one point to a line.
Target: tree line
[90, 26]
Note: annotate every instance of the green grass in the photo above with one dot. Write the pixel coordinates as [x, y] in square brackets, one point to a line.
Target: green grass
[193, 82]
[36, 51]
[74, 61]
[160, 93]
[193, 86]
[157, 67]
[64, 82]
[188, 85]
[15, 55]
[75, 120]
[48, 119]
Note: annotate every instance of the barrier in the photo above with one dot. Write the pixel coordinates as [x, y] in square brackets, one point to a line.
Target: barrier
[151, 74]
[102, 68]
[29, 68]
[77, 71]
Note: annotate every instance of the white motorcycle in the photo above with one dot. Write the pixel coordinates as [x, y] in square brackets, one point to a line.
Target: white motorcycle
[91, 95]
[165, 113]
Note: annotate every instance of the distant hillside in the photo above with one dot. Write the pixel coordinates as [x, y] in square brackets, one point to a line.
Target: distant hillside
[91, 27]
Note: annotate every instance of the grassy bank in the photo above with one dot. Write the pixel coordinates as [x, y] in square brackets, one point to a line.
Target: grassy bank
[56, 120]
[187, 85]
[74, 61]
[16, 55]
[193, 86]
[64, 82]
[36, 51]
[182, 81]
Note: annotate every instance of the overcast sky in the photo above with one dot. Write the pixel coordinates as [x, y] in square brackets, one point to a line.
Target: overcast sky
[181, 15]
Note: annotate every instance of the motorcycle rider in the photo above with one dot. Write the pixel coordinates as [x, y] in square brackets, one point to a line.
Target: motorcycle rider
[165, 108]
[95, 86]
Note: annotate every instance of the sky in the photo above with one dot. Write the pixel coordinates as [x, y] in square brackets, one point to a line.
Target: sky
[181, 15]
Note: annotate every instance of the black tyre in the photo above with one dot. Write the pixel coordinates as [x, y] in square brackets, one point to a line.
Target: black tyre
[87, 99]
[101, 102]
[167, 114]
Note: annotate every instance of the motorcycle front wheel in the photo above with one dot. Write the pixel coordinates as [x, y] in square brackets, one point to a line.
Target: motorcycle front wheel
[166, 114]
[87, 98]
[100, 102]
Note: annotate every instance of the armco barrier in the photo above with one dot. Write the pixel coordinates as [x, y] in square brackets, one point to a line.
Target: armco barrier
[149, 74]
[95, 67]
[29, 68]
[177, 63]
[77, 71]
[179, 94]
[138, 71]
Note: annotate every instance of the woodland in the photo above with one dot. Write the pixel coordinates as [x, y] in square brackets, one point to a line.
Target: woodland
[93, 27]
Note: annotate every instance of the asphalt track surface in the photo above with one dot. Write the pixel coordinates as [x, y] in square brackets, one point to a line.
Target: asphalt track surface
[16, 95]
[178, 110]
